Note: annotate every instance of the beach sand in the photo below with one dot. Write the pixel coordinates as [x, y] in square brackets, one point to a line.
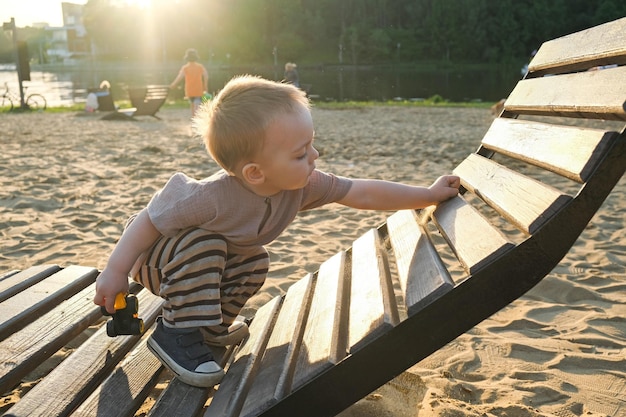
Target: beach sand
[70, 180]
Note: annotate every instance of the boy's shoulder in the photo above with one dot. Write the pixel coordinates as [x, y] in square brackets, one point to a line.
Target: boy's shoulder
[220, 175]
[181, 187]
[218, 178]
[193, 64]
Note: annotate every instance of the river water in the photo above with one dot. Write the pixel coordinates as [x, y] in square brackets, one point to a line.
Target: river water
[69, 85]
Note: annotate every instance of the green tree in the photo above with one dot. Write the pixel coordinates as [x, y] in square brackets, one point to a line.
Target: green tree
[313, 31]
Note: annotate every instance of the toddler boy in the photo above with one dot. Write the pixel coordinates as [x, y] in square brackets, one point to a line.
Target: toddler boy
[199, 243]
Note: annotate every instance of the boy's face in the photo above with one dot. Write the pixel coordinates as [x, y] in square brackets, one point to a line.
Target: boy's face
[288, 156]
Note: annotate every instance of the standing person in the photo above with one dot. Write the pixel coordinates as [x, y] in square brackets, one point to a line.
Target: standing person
[291, 74]
[196, 79]
[199, 244]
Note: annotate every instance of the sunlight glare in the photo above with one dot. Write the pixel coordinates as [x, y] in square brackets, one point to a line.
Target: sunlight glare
[142, 4]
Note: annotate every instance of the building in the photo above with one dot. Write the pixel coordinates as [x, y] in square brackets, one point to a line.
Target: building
[69, 43]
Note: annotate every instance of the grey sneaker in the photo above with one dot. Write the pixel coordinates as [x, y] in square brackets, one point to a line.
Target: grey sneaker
[235, 334]
[185, 353]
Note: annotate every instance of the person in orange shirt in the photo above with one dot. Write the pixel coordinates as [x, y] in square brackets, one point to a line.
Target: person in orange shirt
[196, 79]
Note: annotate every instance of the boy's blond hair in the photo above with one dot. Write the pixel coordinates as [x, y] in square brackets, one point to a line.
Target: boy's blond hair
[233, 124]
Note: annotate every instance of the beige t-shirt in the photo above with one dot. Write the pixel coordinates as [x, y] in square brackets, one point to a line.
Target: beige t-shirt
[222, 205]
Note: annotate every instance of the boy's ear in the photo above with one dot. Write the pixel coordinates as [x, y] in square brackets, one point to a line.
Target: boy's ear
[252, 173]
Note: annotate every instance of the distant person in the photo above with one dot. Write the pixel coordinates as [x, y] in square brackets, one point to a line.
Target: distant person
[524, 69]
[291, 74]
[601, 67]
[196, 79]
[105, 85]
[100, 98]
[105, 99]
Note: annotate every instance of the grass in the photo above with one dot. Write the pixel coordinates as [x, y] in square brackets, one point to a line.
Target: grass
[338, 105]
[434, 101]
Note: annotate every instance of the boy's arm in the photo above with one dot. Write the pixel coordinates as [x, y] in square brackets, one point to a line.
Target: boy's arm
[385, 195]
[179, 78]
[205, 80]
[136, 239]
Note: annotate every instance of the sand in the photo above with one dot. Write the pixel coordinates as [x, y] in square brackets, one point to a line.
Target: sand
[70, 180]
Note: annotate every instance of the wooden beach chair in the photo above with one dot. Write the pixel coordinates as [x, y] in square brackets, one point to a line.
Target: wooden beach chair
[146, 101]
[399, 293]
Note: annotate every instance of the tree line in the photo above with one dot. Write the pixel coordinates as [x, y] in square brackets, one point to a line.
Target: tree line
[352, 32]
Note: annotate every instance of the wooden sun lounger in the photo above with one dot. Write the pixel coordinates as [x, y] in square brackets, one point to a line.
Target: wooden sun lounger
[530, 189]
[146, 101]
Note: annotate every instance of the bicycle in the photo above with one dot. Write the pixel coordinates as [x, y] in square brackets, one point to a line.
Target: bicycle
[32, 101]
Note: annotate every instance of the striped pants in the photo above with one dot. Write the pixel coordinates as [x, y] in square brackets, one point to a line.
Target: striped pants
[202, 284]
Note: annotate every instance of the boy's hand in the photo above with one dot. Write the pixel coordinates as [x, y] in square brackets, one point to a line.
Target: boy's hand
[108, 285]
[136, 239]
[445, 187]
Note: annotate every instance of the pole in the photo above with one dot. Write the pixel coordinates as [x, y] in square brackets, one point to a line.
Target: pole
[11, 26]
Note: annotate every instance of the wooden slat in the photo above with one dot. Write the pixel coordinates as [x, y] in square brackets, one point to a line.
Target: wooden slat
[572, 152]
[126, 389]
[8, 274]
[40, 298]
[20, 280]
[593, 94]
[23, 351]
[231, 394]
[599, 45]
[179, 399]
[182, 400]
[274, 379]
[325, 337]
[79, 374]
[474, 240]
[525, 202]
[156, 92]
[373, 308]
[423, 276]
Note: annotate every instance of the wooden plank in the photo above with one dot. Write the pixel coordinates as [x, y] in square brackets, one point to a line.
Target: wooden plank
[8, 273]
[156, 92]
[80, 373]
[474, 240]
[525, 202]
[325, 337]
[13, 283]
[593, 94]
[423, 276]
[572, 152]
[599, 45]
[274, 379]
[179, 399]
[182, 400]
[23, 351]
[373, 308]
[231, 394]
[40, 298]
[126, 389]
